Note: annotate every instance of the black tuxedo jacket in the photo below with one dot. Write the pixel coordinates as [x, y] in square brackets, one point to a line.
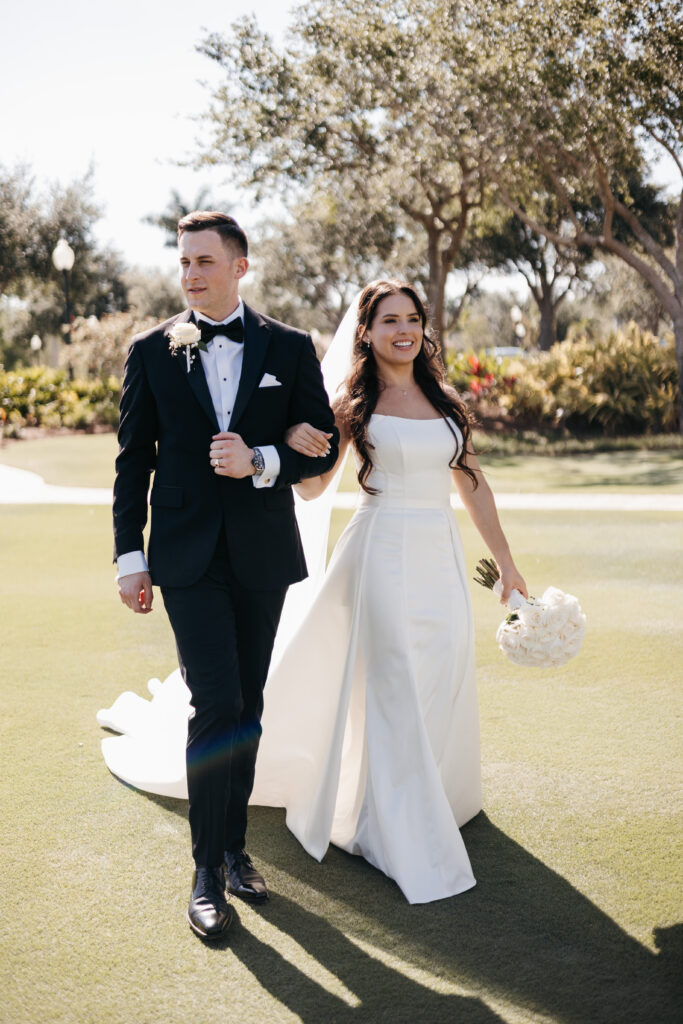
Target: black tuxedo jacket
[167, 421]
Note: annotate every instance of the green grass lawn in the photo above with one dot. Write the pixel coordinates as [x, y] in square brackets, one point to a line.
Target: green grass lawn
[627, 472]
[576, 915]
[86, 460]
[67, 460]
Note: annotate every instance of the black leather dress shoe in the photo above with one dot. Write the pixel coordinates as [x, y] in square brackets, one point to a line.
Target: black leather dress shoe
[242, 878]
[208, 914]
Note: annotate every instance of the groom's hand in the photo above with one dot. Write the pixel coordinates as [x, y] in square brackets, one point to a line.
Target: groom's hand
[136, 591]
[230, 456]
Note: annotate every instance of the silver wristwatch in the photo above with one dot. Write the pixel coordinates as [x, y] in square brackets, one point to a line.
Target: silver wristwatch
[258, 462]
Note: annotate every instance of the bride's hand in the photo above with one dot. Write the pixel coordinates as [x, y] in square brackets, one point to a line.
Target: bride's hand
[308, 440]
[510, 580]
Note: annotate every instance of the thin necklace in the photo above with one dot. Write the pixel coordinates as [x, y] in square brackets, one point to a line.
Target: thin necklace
[397, 387]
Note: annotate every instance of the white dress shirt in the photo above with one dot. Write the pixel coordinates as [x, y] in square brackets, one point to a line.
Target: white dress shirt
[222, 364]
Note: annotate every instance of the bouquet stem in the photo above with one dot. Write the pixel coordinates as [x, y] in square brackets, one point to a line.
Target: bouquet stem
[488, 573]
[488, 576]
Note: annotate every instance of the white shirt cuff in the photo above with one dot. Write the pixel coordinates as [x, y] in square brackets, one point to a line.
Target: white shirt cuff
[132, 561]
[270, 474]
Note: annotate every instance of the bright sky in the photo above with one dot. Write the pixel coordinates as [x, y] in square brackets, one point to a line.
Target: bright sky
[117, 85]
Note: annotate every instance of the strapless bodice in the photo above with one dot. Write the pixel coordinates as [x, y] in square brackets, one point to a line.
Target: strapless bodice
[410, 461]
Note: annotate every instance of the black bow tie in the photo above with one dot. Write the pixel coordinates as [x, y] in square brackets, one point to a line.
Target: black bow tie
[234, 330]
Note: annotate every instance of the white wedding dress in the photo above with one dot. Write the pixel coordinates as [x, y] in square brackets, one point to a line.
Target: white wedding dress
[370, 728]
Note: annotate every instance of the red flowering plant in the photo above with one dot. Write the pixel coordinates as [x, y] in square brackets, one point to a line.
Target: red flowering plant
[479, 376]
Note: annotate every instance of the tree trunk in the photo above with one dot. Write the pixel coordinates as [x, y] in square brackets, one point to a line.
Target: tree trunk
[546, 334]
[438, 303]
[436, 290]
[547, 307]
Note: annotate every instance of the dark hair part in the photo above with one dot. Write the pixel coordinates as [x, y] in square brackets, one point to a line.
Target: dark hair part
[363, 386]
[232, 235]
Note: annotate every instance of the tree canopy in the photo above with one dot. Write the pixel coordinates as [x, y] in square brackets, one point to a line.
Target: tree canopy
[435, 110]
[356, 100]
[31, 223]
[176, 208]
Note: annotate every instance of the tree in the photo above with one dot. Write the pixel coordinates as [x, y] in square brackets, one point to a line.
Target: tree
[356, 100]
[311, 264]
[177, 208]
[615, 295]
[30, 225]
[18, 214]
[432, 107]
[552, 272]
[96, 281]
[485, 322]
[152, 293]
[549, 272]
[592, 89]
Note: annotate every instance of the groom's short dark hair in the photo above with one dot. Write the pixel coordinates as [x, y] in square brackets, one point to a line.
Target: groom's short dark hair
[231, 233]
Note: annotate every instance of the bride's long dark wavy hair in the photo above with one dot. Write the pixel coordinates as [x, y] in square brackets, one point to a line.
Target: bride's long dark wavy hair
[363, 385]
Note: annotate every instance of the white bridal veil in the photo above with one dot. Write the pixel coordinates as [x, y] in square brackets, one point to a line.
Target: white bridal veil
[314, 516]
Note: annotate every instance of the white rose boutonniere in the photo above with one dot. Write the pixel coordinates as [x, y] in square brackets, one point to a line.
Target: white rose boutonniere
[187, 337]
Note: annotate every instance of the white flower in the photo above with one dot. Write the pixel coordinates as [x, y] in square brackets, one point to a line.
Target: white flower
[546, 631]
[533, 614]
[185, 336]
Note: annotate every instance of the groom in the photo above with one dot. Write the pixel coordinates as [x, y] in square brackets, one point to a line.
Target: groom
[205, 408]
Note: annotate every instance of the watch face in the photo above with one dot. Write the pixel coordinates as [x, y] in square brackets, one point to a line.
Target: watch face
[258, 462]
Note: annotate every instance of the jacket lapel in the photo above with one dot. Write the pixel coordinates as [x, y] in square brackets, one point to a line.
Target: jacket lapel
[256, 339]
[196, 378]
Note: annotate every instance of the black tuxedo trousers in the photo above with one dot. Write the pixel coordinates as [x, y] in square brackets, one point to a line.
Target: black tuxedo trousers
[224, 635]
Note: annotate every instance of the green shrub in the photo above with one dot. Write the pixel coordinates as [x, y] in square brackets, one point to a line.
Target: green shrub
[40, 397]
[625, 384]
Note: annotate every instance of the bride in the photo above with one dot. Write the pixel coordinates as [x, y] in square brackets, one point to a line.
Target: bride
[370, 727]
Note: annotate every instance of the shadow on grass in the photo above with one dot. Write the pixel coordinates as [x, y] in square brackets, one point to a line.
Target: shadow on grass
[658, 472]
[376, 993]
[660, 476]
[523, 936]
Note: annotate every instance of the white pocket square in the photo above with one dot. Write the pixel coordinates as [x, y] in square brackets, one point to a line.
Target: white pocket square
[269, 381]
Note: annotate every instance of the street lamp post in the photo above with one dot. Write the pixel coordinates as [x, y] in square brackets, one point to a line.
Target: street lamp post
[63, 259]
[36, 343]
[518, 327]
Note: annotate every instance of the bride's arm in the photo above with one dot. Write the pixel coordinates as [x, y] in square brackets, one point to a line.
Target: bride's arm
[481, 506]
[310, 441]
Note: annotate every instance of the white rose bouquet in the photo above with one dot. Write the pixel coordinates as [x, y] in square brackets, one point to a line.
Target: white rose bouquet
[541, 631]
[187, 337]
